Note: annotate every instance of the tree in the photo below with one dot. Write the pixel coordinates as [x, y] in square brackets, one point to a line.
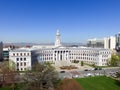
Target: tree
[82, 63]
[76, 61]
[115, 60]
[94, 65]
[41, 77]
[8, 74]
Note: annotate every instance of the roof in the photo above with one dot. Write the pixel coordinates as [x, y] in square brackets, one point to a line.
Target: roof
[73, 48]
[19, 50]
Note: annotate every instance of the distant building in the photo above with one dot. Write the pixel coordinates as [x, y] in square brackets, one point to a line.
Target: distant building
[1, 51]
[6, 53]
[95, 43]
[21, 58]
[118, 42]
[110, 43]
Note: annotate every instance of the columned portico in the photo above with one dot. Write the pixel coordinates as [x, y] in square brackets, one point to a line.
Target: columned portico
[61, 55]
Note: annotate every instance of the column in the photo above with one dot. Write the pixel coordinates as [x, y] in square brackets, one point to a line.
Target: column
[59, 55]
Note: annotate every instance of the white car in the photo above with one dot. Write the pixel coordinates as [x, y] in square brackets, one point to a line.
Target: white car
[75, 76]
[88, 74]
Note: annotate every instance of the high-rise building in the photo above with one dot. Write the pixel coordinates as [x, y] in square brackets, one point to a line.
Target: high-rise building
[110, 42]
[95, 43]
[1, 50]
[57, 42]
[6, 53]
[106, 43]
[117, 41]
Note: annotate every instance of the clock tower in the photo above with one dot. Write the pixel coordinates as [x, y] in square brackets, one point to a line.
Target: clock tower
[57, 41]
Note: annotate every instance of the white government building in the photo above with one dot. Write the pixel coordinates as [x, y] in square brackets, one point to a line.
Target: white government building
[58, 53]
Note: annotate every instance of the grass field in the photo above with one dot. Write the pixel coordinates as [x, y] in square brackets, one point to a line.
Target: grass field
[99, 83]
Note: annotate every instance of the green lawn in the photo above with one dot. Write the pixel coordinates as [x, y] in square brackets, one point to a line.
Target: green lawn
[99, 83]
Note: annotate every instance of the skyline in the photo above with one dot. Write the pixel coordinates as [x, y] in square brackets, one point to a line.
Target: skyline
[77, 20]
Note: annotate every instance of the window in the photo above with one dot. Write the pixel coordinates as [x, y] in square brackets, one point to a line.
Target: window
[24, 59]
[24, 54]
[21, 69]
[28, 54]
[17, 64]
[20, 54]
[24, 63]
[21, 59]
[20, 64]
[17, 59]
[13, 54]
[17, 54]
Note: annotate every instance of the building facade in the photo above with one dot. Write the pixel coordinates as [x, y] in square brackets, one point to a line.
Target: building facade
[1, 51]
[21, 58]
[95, 56]
[95, 43]
[6, 53]
[110, 42]
[118, 42]
[58, 53]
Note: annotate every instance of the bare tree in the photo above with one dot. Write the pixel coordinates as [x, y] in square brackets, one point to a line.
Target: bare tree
[41, 77]
[8, 74]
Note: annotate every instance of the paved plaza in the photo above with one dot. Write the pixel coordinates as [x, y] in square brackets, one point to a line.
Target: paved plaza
[59, 64]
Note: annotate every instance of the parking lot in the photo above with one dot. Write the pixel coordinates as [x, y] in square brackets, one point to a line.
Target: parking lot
[83, 73]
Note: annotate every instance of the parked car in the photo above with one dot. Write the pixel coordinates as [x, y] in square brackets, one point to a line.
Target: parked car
[86, 70]
[95, 68]
[75, 76]
[98, 68]
[62, 71]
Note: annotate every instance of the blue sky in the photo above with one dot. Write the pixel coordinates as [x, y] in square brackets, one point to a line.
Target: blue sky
[77, 20]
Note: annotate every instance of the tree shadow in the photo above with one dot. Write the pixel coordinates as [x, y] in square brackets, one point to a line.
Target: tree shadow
[69, 84]
[117, 82]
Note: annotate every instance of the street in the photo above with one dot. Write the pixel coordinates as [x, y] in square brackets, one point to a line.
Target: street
[82, 73]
